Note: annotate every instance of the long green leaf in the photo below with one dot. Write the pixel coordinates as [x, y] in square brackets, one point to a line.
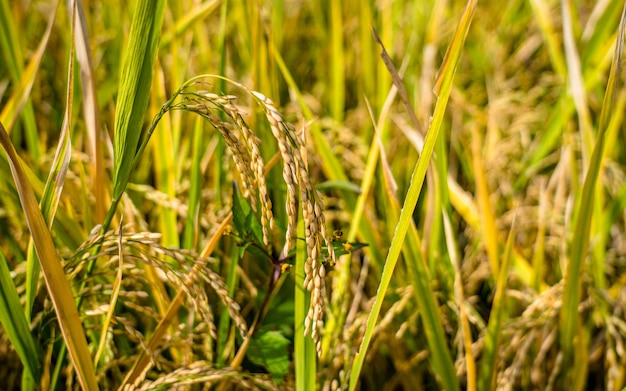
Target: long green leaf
[568, 316]
[58, 286]
[442, 89]
[304, 349]
[134, 91]
[15, 324]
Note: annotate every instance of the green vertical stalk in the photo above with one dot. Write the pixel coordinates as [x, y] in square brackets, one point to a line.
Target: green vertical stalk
[221, 85]
[224, 325]
[442, 362]
[337, 64]
[571, 335]
[134, 92]
[305, 357]
[190, 234]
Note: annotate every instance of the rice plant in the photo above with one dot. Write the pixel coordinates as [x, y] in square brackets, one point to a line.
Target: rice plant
[333, 195]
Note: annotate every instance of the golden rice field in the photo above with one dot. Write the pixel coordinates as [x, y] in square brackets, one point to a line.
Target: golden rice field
[331, 195]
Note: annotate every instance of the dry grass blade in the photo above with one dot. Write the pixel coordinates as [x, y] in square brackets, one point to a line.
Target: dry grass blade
[488, 221]
[58, 286]
[397, 80]
[576, 82]
[96, 137]
[54, 184]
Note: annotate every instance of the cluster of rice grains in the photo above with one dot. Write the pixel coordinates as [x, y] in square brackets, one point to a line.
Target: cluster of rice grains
[252, 170]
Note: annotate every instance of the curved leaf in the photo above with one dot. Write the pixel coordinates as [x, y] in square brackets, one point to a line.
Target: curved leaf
[58, 286]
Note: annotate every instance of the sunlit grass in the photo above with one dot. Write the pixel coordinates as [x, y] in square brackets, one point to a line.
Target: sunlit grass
[175, 174]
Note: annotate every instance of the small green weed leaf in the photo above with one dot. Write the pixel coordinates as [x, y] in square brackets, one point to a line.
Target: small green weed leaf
[269, 349]
[343, 247]
[246, 221]
[281, 311]
[339, 185]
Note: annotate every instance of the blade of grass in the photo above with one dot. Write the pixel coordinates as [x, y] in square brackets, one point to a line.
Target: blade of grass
[190, 234]
[54, 185]
[96, 137]
[366, 49]
[419, 273]
[12, 54]
[305, 356]
[15, 324]
[488, 221]
[542, 16]
[570, 335]
[452, 247]
[598, 31]
[487, 379]
[576, 82]
[334, 325]
[11, 111]
[337, 63]
[220, 170]
[183, 24]
[58, 286]
[134, 92]
[163, 153]
[443, 87]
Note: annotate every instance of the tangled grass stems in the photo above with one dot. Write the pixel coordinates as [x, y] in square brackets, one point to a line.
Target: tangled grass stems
[174, 265]
[180, 269]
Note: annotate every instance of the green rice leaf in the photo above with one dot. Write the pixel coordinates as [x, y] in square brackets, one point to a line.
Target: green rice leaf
[443, 87]
[15, 324]
[134, 89]
[269, 349]
[568, 317]
[305, 357]
[246, 221]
